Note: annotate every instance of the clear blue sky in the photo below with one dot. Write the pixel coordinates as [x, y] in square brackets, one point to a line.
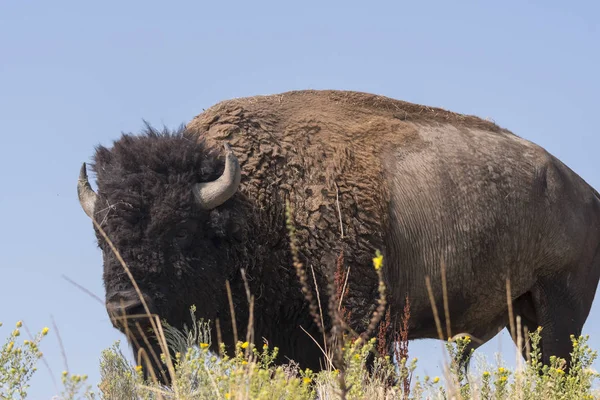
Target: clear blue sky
[75, 74]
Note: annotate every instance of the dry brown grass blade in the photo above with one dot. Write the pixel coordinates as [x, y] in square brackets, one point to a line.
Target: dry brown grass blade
[141, 354]
[250, 327]
[527, 345]
[246, 285]
[519, 342]
[232, 312]
[438, 324]
[327, 356]
[88, 292]
[320, 308]
[250, 330]
[219, 336]
[63, 351]
[339, 210]
[445, 297]
[344, 288]
[152, 352]
[510, 310]
[436, 316]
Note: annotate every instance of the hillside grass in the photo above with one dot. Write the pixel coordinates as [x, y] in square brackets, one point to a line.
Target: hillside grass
[357, 365]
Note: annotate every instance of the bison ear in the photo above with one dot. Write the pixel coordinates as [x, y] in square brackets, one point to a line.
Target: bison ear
[210, 195]
[87, 196]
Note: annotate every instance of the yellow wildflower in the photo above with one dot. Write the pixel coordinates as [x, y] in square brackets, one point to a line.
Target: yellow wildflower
[10, 346]
[19, 324]
[307, 380]
[244, 345]
[377, 262]
[203, 345]
[65, 373]
[138, 368]
[227, 395]
[486, 374]
[244, 362]
[436, 379]
[45, 331]
[501, 370]
[16, 333]
[25, 342]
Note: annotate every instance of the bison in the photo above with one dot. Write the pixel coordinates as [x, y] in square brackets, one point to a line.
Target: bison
[188, 209]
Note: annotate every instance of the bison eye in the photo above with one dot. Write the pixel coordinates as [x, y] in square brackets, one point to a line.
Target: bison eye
[183, 238]
[182, 233]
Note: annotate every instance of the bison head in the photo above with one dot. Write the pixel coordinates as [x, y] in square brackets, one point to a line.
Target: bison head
[160, 202]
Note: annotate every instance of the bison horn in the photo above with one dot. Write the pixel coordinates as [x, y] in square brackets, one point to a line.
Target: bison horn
[212, 194]
[87, 196]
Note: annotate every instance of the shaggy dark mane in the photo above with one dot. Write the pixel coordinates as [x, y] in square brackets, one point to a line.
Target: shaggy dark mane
[151, 173]
[165, 153]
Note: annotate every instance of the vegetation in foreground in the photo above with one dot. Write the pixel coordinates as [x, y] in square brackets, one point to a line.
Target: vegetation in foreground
[251, 374]
[357, 367]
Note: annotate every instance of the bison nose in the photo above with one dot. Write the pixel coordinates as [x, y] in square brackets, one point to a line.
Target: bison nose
[126, 309]
[129, 308]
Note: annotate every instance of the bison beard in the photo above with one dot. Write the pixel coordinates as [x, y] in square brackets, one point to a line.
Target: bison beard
[362, 173]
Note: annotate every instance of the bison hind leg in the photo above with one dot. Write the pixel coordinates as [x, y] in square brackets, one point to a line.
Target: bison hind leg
[561, 309]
